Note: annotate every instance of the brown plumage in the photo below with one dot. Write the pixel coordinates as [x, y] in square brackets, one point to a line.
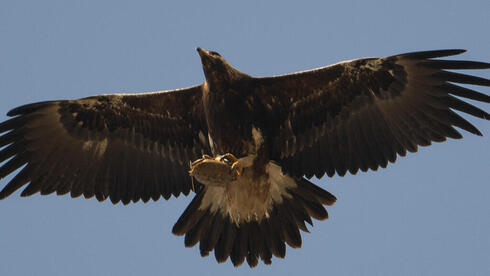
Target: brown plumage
[350, 116]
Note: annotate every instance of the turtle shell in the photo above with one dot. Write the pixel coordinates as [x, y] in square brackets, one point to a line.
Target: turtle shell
[213, 171]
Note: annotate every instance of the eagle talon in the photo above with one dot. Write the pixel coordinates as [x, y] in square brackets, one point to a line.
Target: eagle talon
[236, 165]
[228, 157]
[237, 168]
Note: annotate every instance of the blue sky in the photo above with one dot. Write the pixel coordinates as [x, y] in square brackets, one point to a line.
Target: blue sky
[428, 214]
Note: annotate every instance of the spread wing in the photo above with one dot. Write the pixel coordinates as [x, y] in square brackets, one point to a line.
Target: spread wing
[125, 147]
[360, 114]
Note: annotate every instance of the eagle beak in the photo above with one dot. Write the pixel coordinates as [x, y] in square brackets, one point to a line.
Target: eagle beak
[203, 53]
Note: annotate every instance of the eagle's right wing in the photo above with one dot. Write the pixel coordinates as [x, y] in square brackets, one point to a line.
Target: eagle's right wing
[123, 146]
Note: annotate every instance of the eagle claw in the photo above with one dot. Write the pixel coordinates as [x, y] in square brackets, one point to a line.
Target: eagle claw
[236, 166]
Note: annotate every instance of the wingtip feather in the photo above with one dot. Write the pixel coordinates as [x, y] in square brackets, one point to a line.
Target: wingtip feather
[27, 108]
[431, 54]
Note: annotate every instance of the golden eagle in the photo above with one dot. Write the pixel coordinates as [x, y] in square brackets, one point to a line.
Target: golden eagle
[252, 143]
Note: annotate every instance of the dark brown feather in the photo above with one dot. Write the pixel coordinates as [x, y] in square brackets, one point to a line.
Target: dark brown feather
[255, 245]
[273, 235]
[454, 64]
[190, 216]
[225, 243]
[240, 245]
[195, 234]
[461, 78]
[210, 238]
[463, 92]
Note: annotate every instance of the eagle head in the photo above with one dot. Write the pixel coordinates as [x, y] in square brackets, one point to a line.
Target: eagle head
[217, 70]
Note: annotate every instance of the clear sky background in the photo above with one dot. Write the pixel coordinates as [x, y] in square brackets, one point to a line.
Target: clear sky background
[428, 214]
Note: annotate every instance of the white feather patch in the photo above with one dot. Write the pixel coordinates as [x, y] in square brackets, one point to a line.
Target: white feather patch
[249, 198]
[211, 142]
[96, 147]
[258, 138]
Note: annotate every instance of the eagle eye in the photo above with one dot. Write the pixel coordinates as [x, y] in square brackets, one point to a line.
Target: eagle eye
[214, 53]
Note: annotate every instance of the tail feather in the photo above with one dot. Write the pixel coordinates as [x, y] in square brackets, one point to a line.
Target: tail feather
[290, 229]
[298, 212]
[311, 190]
[240, 245]
[213, 233]
[222, 250]
[190, 217]
[274, 239]
[194, 235]
[253, 240]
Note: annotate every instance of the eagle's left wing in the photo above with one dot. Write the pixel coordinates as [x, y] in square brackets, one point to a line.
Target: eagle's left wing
[125, 147]
[360, 114]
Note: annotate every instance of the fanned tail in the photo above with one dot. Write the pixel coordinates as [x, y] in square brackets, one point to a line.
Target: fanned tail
[254, 239]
